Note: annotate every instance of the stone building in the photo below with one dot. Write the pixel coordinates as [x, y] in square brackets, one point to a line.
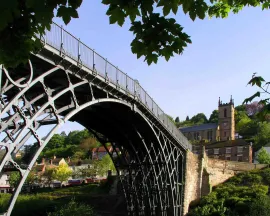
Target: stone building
[221, 131]
[229, 150]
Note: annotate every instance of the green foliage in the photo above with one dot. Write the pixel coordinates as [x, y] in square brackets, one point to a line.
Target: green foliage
[104, 165]
[48, 199]
[62, 173]
[200, 118]
[73, 209]
[241, 195]
[76, 144]
[20, 21]
[48, 175]
[156, 34]
[263, 156]
[260, 206]
[56, 141]
[177, 120]
[264, 113]
[263, 135]
[14, 179]
[29, 152]
[214, 117]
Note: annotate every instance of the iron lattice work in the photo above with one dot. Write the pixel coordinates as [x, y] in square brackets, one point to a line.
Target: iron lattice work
[148, 151]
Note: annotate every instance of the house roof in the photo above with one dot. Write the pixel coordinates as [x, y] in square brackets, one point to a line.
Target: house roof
[39, 167]
[101, 149]
[199, 127]
[227, 143]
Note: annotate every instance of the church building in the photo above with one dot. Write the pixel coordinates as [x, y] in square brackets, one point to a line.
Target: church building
[221, 131]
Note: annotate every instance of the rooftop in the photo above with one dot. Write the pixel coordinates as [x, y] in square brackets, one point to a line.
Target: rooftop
[227, 143]
[199, 127]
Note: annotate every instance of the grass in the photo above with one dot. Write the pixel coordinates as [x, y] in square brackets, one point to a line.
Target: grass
[47, 199]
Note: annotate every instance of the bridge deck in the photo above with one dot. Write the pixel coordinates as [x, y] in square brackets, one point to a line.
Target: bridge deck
[63, 44]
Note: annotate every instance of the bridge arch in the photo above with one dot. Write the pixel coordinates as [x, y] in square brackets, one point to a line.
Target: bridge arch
[153, 169]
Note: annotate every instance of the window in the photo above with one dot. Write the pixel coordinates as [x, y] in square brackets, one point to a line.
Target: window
[240, 158]
[240, 149]
[228, 158]
[206, 151]
[228, 150]
[225, 113]
[225, 133]
[209, 135]
[216, 151]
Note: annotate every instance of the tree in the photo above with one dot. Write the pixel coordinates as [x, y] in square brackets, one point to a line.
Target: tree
[14, 179]
[247, 127]
[89, 143]
[200, 118]
[56, 141]
[31, 178]
[264, 113]
[253, 108]
[47, 176]
[156, 34]
[214, 117]
[104, 165]
[187, 118]
[62, 173]
[29, 152]
[263, 135]
[263, 156]
[177, 120]
[76, 137]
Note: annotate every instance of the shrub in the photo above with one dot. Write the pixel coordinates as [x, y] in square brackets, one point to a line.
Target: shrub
[73, 209]
[260, 206]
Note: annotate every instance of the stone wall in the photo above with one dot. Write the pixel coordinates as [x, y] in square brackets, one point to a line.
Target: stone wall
[192, 179]
[203, 173]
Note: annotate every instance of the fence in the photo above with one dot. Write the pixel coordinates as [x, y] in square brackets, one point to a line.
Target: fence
[62, 40]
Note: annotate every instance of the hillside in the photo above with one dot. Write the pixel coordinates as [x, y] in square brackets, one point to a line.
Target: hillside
[246, 194]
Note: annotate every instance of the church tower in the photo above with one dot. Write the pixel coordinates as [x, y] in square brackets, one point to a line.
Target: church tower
[226, 121]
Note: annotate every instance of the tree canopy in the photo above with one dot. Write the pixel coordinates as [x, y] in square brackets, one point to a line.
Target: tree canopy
[156, 33]
[214, 117]
[263, 156]
[62, 173]
[263, 110]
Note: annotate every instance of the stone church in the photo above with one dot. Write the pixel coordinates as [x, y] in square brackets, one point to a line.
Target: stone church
[212, 132]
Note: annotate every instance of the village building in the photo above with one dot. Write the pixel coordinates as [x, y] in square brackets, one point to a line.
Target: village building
[220, 139]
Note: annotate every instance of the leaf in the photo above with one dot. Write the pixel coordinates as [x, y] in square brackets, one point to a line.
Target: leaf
[257, 94]
[166, 10]
[117, 15]
[66, 13]
[106, 2]
[75, 3]
[256, 80]
[192, 15]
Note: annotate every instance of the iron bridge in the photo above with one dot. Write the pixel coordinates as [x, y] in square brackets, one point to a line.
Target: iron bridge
[68, 81]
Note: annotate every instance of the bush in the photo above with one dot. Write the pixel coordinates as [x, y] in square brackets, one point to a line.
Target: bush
[73, 209]
[260, 206]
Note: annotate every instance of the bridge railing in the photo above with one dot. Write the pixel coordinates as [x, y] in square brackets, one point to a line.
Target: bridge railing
[72, 47]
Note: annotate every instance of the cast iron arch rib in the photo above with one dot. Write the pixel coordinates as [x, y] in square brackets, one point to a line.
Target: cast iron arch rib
[54, 90]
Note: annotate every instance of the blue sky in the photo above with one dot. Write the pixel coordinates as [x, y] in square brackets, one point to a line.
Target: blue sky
[220, 61]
